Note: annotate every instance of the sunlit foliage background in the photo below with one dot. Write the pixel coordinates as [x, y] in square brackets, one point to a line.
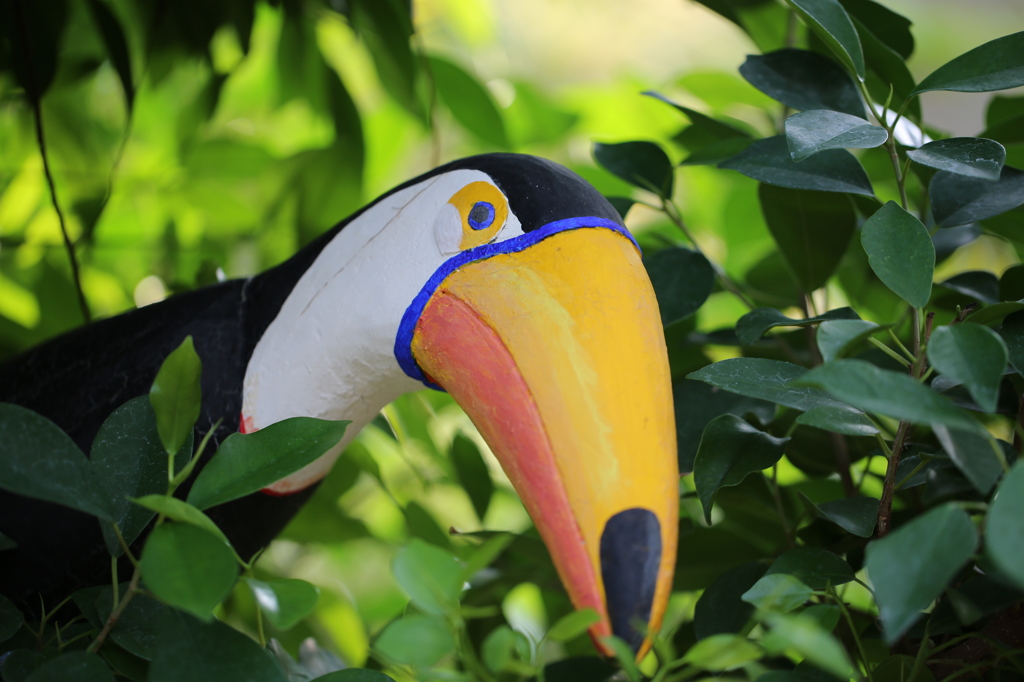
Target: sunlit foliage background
[241, 148]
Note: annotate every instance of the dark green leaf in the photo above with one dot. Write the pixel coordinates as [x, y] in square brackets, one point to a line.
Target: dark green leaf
[993, 313]
[424, 526]
[973, 355]
[958, 200]
[751, 326]
[284, 601]
[778, 592]
[128, 459]
[117, 46]
[416, 640]
[912, 566]
[188, 568]
[472, 473]
[77, 665]
[386, 26]
[1013, 335]
[469, 101]
[138, 625]
[188, 649]
[832, 24]
[857, 515]
[900, 252]
[887, 73]
[19, 664]
[1004, 119]
[973, 454]
[813, 131]
[729, 450]
[10, 618]
[901, 669]
[980, 285]
[249, 462]
[834, 170]
[1011, 284]
[682, 281]
[804, 634]
[624, 654]
[838, 420]
[1004, 526]
[765, 379]
[39, 460]
[33, 31]
[181, 511]
[354, 675]
[803, 80]
[621, 205]
[891, 28]
[837, 337]
[812, 229]
[813, 566]
[722, 652]
[176, 395]
[643, 164]
[708, 129]
[534, 118]
[893, 394]
[950, 239]
[573, 625]
[720, 608]
[697, 403]
[971, 156]
[7, 543]
[430, 576]
[715, 152]
[996, 65]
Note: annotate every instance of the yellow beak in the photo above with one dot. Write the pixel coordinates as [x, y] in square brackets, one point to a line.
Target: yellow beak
[556, 353]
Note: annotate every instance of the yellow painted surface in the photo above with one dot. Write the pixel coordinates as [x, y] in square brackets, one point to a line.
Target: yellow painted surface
[466, 198]
[579, 316]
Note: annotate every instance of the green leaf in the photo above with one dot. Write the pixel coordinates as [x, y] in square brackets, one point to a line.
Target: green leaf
[181, 511]
[980, 285]
[498, 648]
[1004, 119]
[901, 669]
[833, 25]
[893, 394]
[973, 454]
[722, 652]
[706, 128]
[643, 164]
[754, 324]
[803, 80]
[387, 28]
[810, 132]
[18, 665]
[7, 543]
[778, 592]
[284, 601]
[765, 379]
[891, 28]
[416, 640]
[856, 515]
[838, 420]
[625, 655]
[720, 608]
[900, 252]
[116, 44]
[769, 160]
[572, 625]
[621, 205]
[971, 156]
[354, 675]
[973, 355]
[10, 618]
[815, 567]
[188, 649]
[697, 403]
[958, 200]
[837, 337]
[996, 65]
[76, 665]
[246, 463]
[138, 625]
[430, 576]
[887, 73]
[472, 474]
[176, 396]
[1004, 525]
[803, 633]
[128, 459]
[729, 450]
[188, 568]
[812, 230]
[993, 313]
[40, 461]
[470, 102]
[1012, 332]
[682, 281]
[911, 566]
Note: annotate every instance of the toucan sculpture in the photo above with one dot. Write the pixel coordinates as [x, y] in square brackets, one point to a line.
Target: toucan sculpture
[504, 279]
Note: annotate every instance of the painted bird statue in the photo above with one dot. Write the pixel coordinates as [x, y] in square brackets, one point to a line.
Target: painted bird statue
[505, 280]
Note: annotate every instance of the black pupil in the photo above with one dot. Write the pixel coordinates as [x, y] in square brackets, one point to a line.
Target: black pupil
[479, 214]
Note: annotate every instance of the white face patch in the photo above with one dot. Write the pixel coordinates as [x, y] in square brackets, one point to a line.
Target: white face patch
[330, 351]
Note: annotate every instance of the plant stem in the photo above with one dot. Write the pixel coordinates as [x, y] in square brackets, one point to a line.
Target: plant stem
[888, 351]
[853, 630]
[773, 486]
[116, 613]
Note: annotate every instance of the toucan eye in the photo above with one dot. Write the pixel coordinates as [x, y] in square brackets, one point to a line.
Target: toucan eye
[481, 216]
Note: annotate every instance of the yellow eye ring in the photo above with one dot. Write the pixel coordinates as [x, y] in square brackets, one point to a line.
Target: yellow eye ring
[483, 210]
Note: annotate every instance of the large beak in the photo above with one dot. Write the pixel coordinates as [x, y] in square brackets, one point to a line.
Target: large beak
[556, 353]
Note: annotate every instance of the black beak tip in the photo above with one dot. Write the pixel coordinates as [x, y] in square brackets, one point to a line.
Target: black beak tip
[630, 556]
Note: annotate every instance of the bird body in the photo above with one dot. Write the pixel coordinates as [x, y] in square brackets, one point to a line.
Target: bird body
[504, 279]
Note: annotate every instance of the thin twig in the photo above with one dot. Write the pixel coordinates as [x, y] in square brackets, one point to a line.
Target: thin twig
[116, 613]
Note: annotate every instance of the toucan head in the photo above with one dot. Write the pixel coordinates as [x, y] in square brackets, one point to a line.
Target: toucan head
[509, 282]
